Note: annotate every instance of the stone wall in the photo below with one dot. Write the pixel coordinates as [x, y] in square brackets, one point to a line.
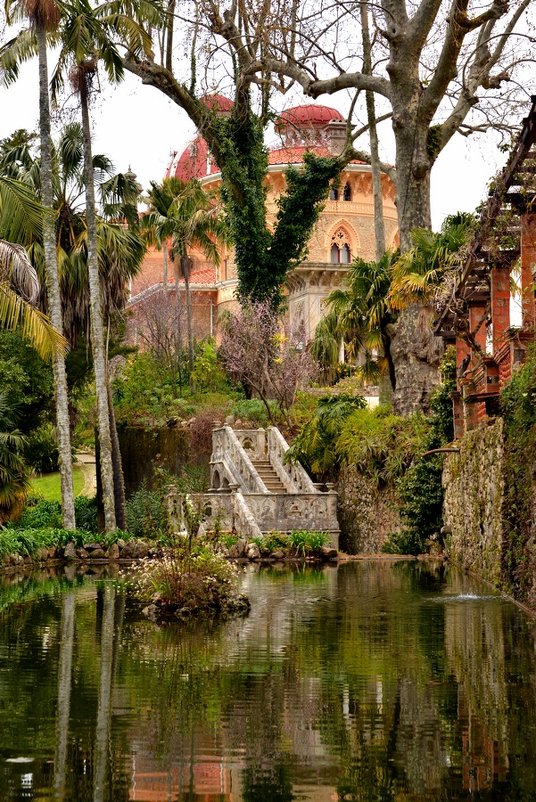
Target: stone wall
[144, 450]
[473, 480]
[367, 515]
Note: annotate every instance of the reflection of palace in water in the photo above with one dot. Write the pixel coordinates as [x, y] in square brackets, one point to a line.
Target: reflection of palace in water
[370, 681]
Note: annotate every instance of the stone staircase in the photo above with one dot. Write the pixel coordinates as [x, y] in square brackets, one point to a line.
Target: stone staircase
[255, 490]
[269, 476]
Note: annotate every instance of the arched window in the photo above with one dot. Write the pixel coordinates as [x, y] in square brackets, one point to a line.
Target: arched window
[340, 253]
[347, 192]
[334, 193]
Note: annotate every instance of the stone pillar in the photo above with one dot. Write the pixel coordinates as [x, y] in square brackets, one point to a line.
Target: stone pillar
[500, 304]
[528, 268]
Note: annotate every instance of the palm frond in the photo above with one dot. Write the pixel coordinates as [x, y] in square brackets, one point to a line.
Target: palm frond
[15, 313]
[16, 269]
[21, 214]
[13, 53]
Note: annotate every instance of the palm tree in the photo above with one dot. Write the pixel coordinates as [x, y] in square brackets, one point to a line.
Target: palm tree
[362, 314]
[85, 42]
[418, 272]
[359, 315]
[190, 217]
[44, 16]
[14, 482]
[19, 289]
[20, 218]
[119, 250]
[157, 225]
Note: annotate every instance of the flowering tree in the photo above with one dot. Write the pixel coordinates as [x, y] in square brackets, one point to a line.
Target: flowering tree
[269, 359]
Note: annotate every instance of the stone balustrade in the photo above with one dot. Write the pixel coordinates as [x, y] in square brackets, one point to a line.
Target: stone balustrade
[230, 464]
[239, 500]
[292, 474]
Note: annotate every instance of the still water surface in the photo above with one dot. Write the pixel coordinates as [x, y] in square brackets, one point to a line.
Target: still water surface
[373, 681]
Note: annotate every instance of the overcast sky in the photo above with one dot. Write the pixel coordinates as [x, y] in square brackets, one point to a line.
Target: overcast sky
[138, 126]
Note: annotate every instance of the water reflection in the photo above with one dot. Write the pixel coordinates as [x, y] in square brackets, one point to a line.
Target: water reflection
[373, 681]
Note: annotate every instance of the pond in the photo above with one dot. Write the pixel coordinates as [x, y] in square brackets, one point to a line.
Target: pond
[370, 681]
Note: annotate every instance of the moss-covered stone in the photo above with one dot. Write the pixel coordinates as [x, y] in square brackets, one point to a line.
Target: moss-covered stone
[367, 514]
[473, 481]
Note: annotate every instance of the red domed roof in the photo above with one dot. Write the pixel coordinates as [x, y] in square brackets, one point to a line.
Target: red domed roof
[194, 162]
[217, 102]
[310, 115]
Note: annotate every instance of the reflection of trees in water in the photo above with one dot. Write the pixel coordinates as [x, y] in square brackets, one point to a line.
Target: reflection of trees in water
[492, 692]
[359, 681]
[64, 691]
[104, 708]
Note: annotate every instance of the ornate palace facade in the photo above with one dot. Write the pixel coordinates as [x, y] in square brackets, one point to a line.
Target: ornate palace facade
[345, 228]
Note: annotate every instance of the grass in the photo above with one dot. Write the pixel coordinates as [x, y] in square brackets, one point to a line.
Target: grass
[48, 485]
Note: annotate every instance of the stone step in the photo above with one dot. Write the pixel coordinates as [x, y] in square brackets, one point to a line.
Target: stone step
[269, 476]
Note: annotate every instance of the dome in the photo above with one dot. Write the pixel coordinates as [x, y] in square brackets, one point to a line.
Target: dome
[194, 162]
[217, 103]
[308, 116]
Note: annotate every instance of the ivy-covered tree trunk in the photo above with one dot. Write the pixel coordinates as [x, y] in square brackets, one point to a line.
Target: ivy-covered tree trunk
[53, 287]
[263, 258]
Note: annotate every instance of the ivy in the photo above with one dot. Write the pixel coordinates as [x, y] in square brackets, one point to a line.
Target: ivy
[263, 258]
[420, 489]
[299, 209]
[433, 144]
[518, 402]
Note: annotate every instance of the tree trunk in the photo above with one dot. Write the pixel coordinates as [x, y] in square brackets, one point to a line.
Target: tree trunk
[416, 353]
[104, 707]
[377, 191]
[413, 167]
[185, 266]
[165, 265]
[178, 329]
[415, 350]
[53, 287]
[97, 325]
[119, 481]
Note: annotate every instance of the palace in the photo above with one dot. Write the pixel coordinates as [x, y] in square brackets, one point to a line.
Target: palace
[344, 230]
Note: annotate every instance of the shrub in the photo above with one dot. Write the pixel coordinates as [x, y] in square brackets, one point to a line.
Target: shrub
[86, 513]
[207, 373]
[253, 411]
[315, 445]
[40, 513]
[41, 451]
[192, 581]
[27, 541]
[146, 514]
[273, 541]
[382, 445]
